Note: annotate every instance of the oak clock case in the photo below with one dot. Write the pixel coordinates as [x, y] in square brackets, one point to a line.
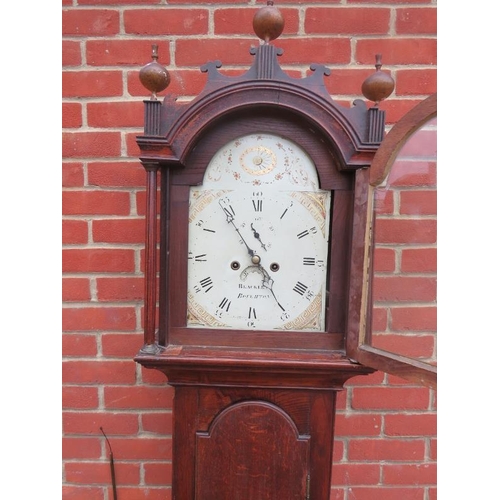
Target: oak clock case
[258, 239]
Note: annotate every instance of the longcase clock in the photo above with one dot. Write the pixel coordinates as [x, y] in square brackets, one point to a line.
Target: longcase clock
[264, 191]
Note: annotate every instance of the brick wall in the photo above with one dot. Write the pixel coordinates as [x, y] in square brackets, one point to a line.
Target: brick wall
[385, 446]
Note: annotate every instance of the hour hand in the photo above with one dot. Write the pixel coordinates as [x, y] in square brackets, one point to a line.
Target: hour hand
[257, 236]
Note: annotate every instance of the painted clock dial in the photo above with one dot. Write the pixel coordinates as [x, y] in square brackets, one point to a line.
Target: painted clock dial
[258, 239]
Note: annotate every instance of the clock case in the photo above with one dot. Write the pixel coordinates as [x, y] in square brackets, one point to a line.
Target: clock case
[245, 397]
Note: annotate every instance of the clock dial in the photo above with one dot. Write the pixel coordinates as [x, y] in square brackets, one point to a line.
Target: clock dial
[258, 250]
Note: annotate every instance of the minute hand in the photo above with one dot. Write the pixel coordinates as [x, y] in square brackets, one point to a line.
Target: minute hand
[230, 218]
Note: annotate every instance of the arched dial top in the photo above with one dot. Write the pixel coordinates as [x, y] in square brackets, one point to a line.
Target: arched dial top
[258, 239]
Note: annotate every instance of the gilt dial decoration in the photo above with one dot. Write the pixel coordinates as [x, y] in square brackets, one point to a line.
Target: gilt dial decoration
[258, 239]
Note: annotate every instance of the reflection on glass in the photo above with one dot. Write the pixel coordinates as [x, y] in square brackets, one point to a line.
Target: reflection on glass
[404, 286]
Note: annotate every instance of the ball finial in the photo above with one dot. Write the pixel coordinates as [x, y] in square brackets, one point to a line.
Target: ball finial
[379, 85]
[154, 76]
[268, 22]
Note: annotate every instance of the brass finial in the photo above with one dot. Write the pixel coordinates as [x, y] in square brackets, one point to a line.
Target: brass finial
[154, 76]
[268, 22]
[379, 85]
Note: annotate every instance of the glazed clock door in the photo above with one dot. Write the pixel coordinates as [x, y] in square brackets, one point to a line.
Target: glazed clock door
[258, 239]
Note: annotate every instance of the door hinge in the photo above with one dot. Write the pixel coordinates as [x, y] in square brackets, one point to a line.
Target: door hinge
[308, 487]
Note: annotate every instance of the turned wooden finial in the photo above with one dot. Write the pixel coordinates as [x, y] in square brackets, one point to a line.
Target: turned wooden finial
[379, 85]
[153, 75]
[268, 22]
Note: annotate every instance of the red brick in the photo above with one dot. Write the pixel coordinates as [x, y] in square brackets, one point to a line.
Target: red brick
[355, 474]
[384, 201]
[413, 173]
[144, 397]
[72, 174]
[119, 230]
[390, 398]
[240, 21]
[396, 108]
[399, 2]
[419, 474]
[78, 345]
[397, 288]
[433, 449]
[142, 493]
[421, 143]
[121, 345]
[99, 372]
[422, 424]
[397, 50]
[99, 22]
[92, 83]
[120, 2]
[79, 397]
[159, 423]
[189, 2]
[432, 493]
[71, 115]
[382, 493]
[346, 81]
[375, 378]
[316, 50]
[115, 114]
[95, 203]
[112, 52]
[81, 493]
[357, 425]
[116, 174]
[90, 423]
[75, 289]
[150, 376]
[133, 150]
[91, 144]
[342, 20]
[379, 319]
[338, 450]
[74, 232]
[142, 448]
[385, 260]
[337, 493]
[414, 318]
[413, 346]
[419, 260]
[97, 260]
[386, 450]
[422, 21]
[405, 231]
[98, 318]
[99, 472]
[197, 51]
[166, 20]
[120, 289]
[81, 447]
[71, 53]
[414, 82]
[158, 473]
[418, 203]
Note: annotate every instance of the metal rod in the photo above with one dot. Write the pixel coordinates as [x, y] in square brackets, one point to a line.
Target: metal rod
[112, 466]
